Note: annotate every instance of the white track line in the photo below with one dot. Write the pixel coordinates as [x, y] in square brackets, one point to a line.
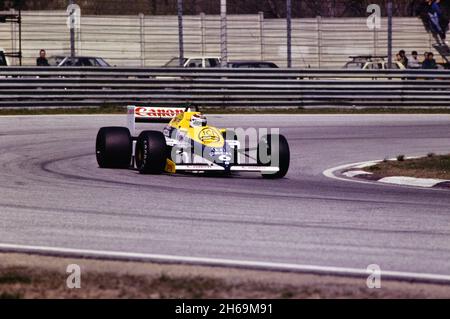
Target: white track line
[352, 174]
[330, 173]
[322, 270]
[412, 181]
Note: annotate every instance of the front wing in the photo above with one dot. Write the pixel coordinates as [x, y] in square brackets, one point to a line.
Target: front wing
[195, 168]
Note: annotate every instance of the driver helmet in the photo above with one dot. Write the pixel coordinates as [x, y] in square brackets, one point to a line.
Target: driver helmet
[198, 120]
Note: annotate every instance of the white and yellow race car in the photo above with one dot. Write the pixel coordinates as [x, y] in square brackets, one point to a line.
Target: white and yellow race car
[188, 144]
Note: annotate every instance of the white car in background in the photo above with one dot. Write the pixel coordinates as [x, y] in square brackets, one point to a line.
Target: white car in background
[195, 62]
[86, 61]
[372, 63]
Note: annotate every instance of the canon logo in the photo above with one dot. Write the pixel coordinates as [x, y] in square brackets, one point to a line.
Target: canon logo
[157, 112]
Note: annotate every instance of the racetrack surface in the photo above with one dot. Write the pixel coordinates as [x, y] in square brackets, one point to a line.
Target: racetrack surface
[53, 194]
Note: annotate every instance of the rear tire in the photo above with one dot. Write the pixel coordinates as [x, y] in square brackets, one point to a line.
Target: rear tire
[114, 147]
[269, 144]
[151, 152]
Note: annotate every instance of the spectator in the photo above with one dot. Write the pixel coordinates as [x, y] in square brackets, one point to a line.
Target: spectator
[437, 19]
[422, 12]
[42, 60]
[443, 19]
[430, 62]
[413, 61]
[402, 58]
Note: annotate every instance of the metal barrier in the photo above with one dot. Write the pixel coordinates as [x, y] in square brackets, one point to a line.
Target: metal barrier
[78, 87]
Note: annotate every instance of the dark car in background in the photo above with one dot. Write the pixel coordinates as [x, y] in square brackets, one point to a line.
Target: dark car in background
[88, 61]
[252, 65]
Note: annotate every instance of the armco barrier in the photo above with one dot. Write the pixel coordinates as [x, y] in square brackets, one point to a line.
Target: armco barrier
[77, 87]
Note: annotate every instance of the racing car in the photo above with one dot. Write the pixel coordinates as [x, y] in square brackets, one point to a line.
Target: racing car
[187, 144]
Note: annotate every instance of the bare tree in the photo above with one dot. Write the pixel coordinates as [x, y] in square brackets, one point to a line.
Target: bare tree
[271, 8]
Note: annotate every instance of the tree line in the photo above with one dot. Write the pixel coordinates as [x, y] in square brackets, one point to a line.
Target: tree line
[271, 8]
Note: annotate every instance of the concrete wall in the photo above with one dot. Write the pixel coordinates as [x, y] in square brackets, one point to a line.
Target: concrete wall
[153, 40]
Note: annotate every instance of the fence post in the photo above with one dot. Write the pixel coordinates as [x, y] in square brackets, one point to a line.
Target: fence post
[79, 48]
[72, 29]
[319, 41]
[375, 41]
[389, 34]
[203, 32]
[180, 32]
[142, 37]
[223, 33]
[261, 33]
[289, 32]
[13, 37]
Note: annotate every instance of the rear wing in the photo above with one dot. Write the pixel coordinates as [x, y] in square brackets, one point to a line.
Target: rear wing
[151, 114]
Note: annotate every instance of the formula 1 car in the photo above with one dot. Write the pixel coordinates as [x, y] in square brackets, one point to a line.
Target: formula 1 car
[187, 144]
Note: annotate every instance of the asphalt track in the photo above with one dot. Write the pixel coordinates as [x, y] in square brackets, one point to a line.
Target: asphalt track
[54, 195]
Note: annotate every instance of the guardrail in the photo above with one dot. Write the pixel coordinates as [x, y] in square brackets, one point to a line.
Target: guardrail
[82, 87]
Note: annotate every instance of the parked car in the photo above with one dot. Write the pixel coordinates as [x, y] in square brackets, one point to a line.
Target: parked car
[60, 60]
[195, 62]
[252, 64]
[369, 62]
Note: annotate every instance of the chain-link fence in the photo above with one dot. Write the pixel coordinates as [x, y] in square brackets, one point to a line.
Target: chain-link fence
[143, 40]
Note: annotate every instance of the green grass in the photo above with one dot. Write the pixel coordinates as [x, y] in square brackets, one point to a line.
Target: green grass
[432, 166]
[8, 295]
[14, 277]
[122, 110]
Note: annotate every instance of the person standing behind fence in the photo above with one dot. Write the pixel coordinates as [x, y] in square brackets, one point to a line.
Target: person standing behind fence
[422, 13]
[437, 19]
[42, 60]
[413, 61]
[443, 19]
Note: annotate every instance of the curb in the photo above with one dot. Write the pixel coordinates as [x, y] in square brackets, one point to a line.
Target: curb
[358, 172]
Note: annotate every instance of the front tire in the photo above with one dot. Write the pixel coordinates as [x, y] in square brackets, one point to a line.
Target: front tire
[268, 148]
[151, 152]
[114, 147]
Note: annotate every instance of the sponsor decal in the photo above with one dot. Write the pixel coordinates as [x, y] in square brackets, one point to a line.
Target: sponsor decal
[197, 167]
[209, 135]
[157, 112]
[217, 152]
[225, 158]
[222, 155]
